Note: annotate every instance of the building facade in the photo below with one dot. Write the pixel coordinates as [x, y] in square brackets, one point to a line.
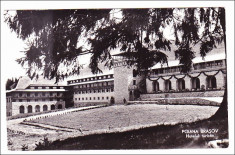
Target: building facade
[92, 90]
[35, 98]
[207, 78]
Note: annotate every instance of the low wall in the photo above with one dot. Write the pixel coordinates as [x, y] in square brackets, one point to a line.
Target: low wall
[216, 93]
[85, 104]
[178, 101]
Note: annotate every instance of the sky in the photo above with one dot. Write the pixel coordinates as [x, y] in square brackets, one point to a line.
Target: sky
[14, 46]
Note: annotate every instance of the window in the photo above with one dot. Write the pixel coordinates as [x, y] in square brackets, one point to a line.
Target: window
[43, 94]
[82, 98]
[37, 108]
[134, 73]
[51, 99]
[44, 108]
[20, 100]
[60, 106]
[134, 82]
[36, 94]
[28, 100]
[86, 98]
[21, 109]
[79, 99]
[90, 98]
[94, 98]
[98, 98]
[52, 107]
[102, 98]
[30, 109]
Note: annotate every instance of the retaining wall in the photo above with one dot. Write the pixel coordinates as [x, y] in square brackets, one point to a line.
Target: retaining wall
[216, 93]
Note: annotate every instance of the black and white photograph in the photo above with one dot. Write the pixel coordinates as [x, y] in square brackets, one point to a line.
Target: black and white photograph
[102, 76]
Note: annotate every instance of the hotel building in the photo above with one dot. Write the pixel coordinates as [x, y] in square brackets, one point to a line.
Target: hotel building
[206, 79]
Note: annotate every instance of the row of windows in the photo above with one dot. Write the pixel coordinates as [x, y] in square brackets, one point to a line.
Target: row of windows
[196, 66]
[37, 94]
[91, 85]
[208, 64]
[91, 98]
[94, 91]
[35, 100]
[46, 87]
[91, 79]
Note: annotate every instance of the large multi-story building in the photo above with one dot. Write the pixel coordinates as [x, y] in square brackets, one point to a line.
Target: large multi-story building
[92, 90]
[31, 98]
[206, 78]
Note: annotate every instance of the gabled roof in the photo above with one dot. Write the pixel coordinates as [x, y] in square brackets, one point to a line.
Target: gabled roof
[25, 81]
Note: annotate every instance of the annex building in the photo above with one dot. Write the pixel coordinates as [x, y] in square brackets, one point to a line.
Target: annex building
[206, 79]
[29, 97]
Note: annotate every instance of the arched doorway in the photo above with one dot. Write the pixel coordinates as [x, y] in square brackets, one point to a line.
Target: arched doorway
[167, 85]
[44, 108]
[195, 83]
[52, 107]
[181, 84]
[21, 109]
[60, 106]
[155, 86]
[37, 108]
[30, 109]
[211, 82]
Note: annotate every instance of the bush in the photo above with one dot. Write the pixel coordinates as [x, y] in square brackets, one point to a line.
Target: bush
[43, 145]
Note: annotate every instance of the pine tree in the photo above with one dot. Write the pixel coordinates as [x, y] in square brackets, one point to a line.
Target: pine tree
[138, 33]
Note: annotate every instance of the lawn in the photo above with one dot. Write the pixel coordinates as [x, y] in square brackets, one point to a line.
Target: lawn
[157, 137]
[129, 115]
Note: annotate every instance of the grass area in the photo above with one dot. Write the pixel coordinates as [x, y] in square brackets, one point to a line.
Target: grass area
[158, 137]
[131, 115]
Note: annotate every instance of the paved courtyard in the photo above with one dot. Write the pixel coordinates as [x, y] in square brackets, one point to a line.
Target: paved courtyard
[105, 119]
